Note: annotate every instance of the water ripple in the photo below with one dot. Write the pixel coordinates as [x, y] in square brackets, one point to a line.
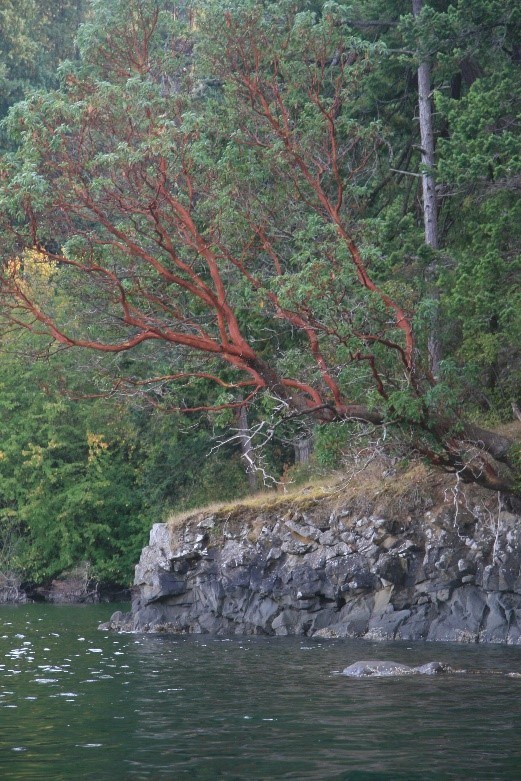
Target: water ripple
[85, 704]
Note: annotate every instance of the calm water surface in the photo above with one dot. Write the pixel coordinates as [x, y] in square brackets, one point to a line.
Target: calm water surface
[76, 703]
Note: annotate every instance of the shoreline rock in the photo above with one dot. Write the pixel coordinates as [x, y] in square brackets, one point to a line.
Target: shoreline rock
[11, 590]
[73, 587]
[416, 561]
[387, 669]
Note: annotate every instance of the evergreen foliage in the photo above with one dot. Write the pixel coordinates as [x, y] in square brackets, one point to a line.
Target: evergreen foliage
[220, 199]
[35, 36]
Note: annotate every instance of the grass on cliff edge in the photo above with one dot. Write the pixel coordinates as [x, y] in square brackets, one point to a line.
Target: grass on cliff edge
[365, 489]
[379, 486]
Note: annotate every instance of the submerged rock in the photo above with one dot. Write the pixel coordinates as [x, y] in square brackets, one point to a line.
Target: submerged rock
[385, 669]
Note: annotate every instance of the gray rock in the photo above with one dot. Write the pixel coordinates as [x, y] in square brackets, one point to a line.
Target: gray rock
[392, 568]
[386, 626]
[296, 548]
[416, 626]
[385, 669]
[376, 669]
[447, 574]
[434, 668]
[462, 617]
[303, 530]
[286, 622]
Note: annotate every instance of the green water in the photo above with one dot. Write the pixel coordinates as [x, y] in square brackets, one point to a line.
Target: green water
[76, 703]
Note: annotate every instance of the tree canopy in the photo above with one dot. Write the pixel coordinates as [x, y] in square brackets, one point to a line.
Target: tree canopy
[34, 38]
[204, 187]
[222, 202]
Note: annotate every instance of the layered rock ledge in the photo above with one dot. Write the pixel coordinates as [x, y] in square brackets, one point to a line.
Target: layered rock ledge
[412, 555]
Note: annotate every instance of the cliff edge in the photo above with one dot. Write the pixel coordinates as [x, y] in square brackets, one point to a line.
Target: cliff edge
[409, 555]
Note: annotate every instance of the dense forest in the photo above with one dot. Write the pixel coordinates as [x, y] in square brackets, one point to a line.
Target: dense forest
[244, 239]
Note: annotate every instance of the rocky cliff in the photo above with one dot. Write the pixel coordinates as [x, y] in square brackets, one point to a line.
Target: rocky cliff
[412, 555]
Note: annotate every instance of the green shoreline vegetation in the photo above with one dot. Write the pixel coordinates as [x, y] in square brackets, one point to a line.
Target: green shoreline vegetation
[215, 256]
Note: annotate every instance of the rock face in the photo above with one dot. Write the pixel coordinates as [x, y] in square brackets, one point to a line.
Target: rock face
[414, 560]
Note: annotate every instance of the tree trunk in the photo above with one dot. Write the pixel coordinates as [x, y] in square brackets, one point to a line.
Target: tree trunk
[247, 449]
[303, 448]
[430, 204]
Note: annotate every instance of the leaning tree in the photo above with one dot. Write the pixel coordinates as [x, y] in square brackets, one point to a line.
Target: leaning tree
[198, 183]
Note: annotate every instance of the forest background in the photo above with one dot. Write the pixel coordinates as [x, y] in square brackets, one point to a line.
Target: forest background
[88, 462]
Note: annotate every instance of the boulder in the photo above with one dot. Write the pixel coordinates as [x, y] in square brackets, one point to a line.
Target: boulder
[387, 669]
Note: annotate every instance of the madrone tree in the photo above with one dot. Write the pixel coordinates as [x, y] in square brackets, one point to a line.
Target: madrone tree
[197, 182]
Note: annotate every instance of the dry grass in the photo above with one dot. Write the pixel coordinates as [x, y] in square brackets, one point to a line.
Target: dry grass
[362, 491]
[263, 501]
[512, 430]
[370, 490]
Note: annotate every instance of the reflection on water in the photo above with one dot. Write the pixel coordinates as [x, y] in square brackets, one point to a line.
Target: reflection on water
[78, 703]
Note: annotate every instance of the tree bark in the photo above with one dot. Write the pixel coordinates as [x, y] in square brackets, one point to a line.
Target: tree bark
[430, 206]
[303, 449]
[247, 449]
[430, 203]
